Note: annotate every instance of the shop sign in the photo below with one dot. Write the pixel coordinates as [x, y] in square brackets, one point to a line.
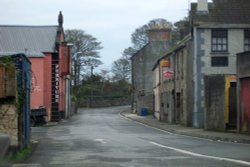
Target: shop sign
[168, 74]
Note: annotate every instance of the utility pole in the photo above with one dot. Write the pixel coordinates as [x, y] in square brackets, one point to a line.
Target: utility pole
[91, 95]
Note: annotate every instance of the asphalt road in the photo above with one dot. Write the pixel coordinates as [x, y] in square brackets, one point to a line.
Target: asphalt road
[103, 138]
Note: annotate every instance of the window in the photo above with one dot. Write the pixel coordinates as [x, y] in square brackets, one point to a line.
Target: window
[247, 40]
[219, 40]
[221, 61]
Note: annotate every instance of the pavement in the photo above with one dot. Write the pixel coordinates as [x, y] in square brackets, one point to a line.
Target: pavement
[4, 144]
[149, 120]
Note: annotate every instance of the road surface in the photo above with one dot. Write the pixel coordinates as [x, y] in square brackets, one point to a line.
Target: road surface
[103, 138]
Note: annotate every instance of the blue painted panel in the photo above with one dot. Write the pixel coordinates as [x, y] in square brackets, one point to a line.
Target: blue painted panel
[23, 67]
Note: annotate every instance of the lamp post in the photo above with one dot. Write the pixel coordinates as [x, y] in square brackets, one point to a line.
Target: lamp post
[68, 83]
[76, 66]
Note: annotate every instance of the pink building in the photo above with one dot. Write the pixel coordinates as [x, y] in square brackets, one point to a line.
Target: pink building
[50, 57]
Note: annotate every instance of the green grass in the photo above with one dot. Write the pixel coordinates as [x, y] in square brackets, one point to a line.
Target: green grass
[20, 155]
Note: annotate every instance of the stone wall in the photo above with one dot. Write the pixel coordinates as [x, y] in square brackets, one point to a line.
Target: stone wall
[9, 122]
[104, 102]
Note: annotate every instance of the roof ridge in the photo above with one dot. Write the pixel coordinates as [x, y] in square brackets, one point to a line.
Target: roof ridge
[34, 26]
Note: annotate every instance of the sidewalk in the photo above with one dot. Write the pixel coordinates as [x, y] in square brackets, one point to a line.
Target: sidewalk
[188, 131]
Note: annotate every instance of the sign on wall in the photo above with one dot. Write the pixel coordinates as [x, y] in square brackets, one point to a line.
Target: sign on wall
[165, 63]
[168, 74]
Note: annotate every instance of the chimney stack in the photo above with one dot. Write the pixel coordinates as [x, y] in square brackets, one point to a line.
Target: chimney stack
[202, 6]
[60, 19]
[159, 35]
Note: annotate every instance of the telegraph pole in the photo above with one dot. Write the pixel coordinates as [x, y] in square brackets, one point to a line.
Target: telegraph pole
[91, 95]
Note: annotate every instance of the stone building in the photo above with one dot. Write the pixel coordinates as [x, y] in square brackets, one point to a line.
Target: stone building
[142, 64]
[175, 84]
[219, 31]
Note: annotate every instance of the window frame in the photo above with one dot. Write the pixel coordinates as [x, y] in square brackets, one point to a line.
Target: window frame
[219, 62]
[247, 39]
[219, 40]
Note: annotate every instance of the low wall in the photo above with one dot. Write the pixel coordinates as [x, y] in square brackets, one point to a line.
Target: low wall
[96, 102]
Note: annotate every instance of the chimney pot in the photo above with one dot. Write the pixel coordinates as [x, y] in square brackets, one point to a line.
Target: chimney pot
[202, 6]
[60, 19]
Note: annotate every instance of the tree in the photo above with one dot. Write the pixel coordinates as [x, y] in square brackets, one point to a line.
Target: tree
[121, 69]
[128, 52]
[140, 38]
[85, 52]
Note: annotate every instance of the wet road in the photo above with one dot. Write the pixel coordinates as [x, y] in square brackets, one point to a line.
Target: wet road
[103, 138]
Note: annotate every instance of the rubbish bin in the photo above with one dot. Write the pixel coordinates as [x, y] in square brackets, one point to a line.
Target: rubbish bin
[143, 111]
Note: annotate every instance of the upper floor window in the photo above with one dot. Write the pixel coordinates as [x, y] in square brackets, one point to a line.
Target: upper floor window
[247, 40]
[219, 61]
[219, 40]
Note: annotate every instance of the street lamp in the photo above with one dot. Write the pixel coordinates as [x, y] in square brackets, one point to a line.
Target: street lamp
[76, 66]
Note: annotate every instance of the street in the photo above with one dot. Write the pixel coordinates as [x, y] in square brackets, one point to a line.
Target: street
[103, 138]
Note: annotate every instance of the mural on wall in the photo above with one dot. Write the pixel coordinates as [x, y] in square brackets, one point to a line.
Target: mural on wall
[34, 86]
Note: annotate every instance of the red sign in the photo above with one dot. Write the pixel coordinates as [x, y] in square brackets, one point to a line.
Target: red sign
[168, 74]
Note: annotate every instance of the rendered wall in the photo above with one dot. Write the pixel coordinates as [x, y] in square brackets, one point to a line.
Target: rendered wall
[37, 93]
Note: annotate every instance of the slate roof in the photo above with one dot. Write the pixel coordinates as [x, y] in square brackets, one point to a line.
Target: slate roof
[31, 40]
[224, 11]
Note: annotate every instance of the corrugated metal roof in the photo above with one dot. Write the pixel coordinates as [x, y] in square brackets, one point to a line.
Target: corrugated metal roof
[31, 40]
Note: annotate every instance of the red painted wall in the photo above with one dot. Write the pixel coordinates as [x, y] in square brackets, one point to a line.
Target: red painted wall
[47, 82]
[63, 70]
[42, 78]
[37, 94]
[245, 104]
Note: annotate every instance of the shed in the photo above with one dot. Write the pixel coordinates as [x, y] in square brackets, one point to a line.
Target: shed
[15, 83]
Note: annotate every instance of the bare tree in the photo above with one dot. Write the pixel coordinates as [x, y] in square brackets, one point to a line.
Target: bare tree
[85, 51]
[121, 69]
[140, 38]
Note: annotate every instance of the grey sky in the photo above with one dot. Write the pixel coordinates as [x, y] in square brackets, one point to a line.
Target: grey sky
[110, 21]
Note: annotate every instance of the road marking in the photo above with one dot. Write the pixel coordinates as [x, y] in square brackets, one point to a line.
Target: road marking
[100, 140]
[26, 165]
[185, 135]
[200, 155]
[130, 119]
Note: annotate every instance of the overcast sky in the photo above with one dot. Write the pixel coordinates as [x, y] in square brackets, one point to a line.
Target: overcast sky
[111, 21]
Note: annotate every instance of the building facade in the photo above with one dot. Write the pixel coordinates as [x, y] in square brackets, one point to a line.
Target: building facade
[142, 63]
[175, 84]
[218, 35]
[15, 79]
[50, 57]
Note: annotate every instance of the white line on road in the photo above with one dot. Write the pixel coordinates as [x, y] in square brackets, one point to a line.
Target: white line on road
[130, 119]
[26, 165]
[100, 140]
[201, 155]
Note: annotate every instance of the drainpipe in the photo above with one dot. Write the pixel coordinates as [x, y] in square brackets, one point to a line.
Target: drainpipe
[174, 60]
